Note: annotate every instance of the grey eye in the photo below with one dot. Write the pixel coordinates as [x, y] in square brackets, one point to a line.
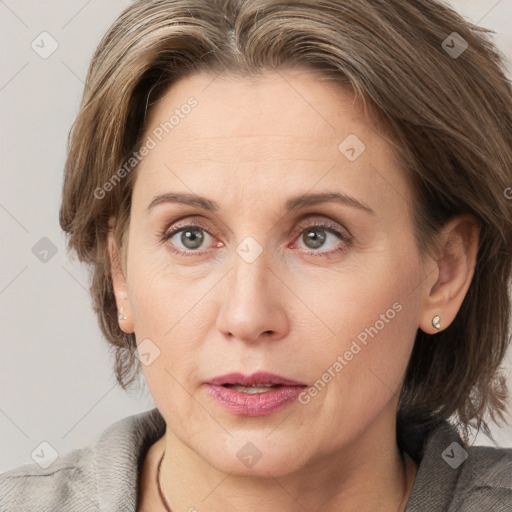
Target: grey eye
[191, 238]
[314, 238]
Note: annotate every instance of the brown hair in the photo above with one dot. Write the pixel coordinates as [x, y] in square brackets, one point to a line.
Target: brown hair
[449, 115]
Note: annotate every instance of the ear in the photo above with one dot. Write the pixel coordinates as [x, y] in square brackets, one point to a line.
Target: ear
[454, 269]
[119, 281]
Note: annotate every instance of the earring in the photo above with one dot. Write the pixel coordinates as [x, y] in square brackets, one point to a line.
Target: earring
[436, 322]
[121, 316]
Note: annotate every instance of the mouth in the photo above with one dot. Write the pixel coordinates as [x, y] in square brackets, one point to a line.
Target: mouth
[259, 394]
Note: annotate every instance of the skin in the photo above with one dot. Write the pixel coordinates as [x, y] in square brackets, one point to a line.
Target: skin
[249, 145]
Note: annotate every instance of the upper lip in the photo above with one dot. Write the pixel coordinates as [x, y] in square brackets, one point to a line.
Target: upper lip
[254, 379]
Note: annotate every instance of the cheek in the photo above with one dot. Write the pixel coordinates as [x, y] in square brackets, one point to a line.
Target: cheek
[173, 324]
[171, 318]
[370, 319]
[162, 299]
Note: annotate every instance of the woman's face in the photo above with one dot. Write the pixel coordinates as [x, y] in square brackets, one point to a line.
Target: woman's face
[293, 256]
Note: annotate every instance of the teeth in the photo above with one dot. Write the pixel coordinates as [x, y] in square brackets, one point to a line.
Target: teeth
[252, 390]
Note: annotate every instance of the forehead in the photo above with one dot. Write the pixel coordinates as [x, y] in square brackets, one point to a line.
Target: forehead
[284, 128]
[276, 109]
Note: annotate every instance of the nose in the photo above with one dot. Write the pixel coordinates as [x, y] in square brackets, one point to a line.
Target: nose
[253, 302]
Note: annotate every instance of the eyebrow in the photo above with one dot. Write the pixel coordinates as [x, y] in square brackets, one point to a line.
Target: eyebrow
[294, 203]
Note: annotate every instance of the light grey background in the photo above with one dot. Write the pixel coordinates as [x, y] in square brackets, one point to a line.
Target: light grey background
[56, 382]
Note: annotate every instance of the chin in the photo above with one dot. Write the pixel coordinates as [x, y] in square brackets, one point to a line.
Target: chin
[257, 458]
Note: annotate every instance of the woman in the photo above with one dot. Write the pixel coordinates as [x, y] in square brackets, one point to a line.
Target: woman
[297, 220]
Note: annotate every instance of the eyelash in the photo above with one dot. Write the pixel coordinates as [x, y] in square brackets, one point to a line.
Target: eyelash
[331, 228]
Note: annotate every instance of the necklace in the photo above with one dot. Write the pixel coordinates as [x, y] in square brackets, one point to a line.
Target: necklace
[160, 491]
[405, 459]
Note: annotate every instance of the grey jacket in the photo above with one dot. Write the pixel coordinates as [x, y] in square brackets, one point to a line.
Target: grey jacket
[104, 477]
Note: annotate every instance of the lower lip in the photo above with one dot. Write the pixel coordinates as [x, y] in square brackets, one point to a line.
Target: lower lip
[258, 404]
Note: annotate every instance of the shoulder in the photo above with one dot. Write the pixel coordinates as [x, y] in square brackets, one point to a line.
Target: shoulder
[495, 464]
[485, 482]
[456, 477]
[102, 476]
[31, 487]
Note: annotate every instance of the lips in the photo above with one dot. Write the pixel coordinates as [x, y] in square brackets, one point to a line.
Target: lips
[259, 379]
[259, 394]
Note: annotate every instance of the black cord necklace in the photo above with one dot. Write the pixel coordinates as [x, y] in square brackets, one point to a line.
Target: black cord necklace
[160, 492]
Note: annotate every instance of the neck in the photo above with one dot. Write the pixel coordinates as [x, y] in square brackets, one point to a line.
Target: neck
[367, 475]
